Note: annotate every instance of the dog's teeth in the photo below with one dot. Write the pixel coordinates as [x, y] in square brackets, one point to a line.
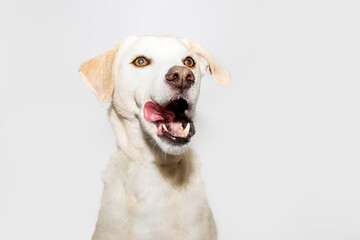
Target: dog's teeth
[165, 128]
[187, 130]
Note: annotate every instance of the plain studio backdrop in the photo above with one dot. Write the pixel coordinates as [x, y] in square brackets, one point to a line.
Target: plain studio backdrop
[279, 146]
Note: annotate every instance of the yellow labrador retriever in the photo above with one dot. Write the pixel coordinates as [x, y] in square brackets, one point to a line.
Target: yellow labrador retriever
[152, 185]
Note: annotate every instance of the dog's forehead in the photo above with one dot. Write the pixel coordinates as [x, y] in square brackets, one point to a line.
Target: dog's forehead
[157, 46]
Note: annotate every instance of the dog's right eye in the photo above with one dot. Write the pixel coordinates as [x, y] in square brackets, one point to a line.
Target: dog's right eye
[141, 62]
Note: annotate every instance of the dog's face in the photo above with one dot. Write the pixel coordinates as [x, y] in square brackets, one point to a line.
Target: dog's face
[156, 81]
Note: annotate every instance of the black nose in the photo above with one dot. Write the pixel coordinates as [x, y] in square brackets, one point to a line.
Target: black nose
[180, 77]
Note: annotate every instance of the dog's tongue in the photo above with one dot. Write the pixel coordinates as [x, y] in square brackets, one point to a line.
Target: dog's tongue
[154, 112]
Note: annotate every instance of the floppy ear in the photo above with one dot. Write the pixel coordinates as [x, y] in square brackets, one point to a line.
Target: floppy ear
[97, 73]
[220, 74]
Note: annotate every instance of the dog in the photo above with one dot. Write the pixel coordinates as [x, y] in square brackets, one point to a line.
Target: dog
[152, 184]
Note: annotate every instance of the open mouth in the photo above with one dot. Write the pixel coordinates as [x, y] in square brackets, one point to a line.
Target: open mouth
[171, 122]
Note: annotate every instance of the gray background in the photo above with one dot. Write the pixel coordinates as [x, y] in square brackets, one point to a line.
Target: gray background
[280, 146]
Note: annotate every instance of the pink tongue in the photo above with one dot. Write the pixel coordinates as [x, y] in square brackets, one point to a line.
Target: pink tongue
[154, 112]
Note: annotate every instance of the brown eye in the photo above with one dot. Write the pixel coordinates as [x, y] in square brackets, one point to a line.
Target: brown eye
[189, 62]
[141, 62]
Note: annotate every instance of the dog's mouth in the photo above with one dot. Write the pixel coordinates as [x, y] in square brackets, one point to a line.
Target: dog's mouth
[171, 121]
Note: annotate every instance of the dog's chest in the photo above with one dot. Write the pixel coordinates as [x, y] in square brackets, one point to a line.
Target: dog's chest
[150, 196]
[144, 204]
[139, 202]
[156, 215]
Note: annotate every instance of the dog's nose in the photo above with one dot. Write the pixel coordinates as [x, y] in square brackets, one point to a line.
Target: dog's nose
[180, 77]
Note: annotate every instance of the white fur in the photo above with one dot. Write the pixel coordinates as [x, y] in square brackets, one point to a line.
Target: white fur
[152, 189]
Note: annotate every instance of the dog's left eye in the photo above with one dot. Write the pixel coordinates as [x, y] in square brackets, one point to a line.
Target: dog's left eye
[189, 62]
[141, 62]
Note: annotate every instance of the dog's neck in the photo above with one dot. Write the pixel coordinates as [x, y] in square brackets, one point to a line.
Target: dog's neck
[128, 136]
[131, 142]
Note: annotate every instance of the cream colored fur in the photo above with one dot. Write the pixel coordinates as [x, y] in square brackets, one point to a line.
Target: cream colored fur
[152, 189]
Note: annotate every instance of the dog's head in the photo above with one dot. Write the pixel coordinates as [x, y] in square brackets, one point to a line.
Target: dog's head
[155, 81]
